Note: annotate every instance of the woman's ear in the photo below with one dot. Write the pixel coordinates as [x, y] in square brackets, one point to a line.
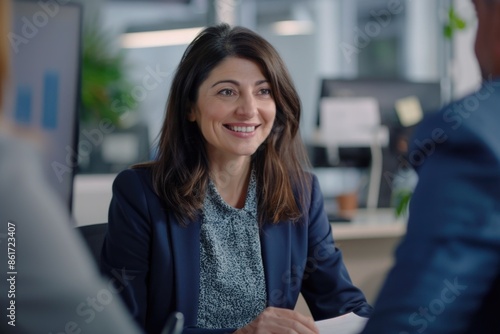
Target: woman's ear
[191, 116]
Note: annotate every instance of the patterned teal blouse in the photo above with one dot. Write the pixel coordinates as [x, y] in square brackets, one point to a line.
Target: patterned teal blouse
[232, 283]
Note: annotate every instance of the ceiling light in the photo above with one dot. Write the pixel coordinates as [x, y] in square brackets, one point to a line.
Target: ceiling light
[293, 27]
[150, 39]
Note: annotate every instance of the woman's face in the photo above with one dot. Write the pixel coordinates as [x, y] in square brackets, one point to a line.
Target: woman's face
[235, 110]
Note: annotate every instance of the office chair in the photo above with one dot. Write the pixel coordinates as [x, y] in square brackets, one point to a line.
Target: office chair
[93, 235]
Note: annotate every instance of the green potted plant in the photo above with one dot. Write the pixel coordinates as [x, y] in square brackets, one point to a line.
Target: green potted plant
[455, 23]
[104, 82]
[105, 97]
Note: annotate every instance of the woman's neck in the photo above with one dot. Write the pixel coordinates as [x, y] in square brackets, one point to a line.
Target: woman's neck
[231, 178]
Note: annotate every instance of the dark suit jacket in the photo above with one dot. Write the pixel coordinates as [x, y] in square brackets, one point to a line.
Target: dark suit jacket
[159, 260]
[446, 278]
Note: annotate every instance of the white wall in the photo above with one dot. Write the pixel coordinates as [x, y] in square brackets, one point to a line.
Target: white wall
[465, 69]
[91, 198]
[301, 62]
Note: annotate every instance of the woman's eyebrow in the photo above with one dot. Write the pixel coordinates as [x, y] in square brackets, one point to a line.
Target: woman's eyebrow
[236, 83]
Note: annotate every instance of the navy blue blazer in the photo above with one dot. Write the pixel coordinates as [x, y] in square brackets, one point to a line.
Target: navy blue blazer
[158, 261]
[446, 277]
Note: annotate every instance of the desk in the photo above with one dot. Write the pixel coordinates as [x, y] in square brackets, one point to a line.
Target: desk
[367, 244]
[369, 224]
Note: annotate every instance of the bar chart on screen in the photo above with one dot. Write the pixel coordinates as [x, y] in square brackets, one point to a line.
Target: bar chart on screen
[44, 87]
[49, 101]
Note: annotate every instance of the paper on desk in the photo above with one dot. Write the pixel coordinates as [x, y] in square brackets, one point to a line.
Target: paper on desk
[349, 323]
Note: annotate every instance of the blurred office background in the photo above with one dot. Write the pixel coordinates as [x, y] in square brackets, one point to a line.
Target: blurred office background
[366, 72]
[394, 51]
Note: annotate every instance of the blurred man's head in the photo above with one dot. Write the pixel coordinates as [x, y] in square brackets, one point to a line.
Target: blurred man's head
[488, 36]
[4, 44]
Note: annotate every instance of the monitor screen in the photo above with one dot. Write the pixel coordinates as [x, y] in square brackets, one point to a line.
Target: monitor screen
[387, 92]
[44, 86]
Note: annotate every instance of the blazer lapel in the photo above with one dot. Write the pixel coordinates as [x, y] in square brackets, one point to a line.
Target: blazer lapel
[186, 254]
[275, 244]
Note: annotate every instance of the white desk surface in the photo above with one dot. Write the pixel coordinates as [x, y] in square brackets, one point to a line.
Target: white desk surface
[368, 224]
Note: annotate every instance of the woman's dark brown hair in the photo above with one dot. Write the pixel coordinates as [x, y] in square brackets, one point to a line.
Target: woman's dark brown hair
[181, 171]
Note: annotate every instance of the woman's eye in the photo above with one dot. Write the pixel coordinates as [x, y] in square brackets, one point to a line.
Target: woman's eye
[226, 92]
[265, 91]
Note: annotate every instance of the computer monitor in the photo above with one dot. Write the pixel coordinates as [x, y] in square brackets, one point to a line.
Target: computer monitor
[43, 92]
[387, 92]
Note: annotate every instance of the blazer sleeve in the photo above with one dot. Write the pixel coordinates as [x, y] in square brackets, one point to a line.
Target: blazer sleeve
[447, 266]
[326, 286]
[126, 250]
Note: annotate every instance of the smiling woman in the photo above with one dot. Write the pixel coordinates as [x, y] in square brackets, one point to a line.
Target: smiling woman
[182, 185]
[235, 113]
[220, 225]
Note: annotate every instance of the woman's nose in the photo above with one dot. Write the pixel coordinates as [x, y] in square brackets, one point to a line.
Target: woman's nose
[247, 106]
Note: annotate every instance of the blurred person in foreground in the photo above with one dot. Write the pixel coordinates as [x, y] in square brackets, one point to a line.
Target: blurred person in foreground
[56, 288]
[226, 225]
[446, 278]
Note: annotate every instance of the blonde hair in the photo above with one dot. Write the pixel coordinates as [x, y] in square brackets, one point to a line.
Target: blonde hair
[4, 45]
